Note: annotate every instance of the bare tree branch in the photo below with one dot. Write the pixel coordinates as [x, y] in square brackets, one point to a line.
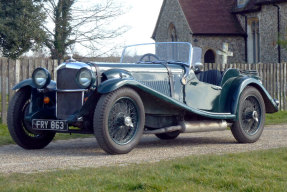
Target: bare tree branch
[75, 24]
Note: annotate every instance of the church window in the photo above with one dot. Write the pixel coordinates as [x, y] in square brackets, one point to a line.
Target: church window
[209, 56]
[241, 3]
[253, 40]
[172, 36]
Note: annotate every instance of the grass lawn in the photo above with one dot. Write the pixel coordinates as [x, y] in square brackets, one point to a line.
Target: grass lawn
[276, 118]
[271, 119]
[4, 135]
[254, 171]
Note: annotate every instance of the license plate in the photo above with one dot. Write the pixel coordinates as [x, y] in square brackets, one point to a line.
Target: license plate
[52, 125]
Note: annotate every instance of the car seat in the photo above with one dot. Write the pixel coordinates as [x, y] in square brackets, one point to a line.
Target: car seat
[211, 76]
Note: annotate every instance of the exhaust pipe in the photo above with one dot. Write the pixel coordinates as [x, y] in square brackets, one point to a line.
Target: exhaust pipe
[203, 126]
[193, 127]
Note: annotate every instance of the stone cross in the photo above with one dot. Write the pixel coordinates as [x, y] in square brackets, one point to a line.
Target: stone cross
[225, 53]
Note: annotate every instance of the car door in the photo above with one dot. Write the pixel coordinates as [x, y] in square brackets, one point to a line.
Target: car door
[201, 95]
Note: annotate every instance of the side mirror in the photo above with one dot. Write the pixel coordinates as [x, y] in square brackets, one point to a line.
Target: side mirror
[198, 67]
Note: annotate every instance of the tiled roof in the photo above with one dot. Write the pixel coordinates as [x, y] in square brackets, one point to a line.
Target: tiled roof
[217, 17]
[212, 17]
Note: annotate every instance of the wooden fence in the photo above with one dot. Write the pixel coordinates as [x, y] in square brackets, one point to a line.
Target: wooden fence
[274, 77]
[13, 72]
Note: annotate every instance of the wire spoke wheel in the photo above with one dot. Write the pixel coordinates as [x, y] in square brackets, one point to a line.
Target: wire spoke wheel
[119, 121]
[123, 121]
[251, 116]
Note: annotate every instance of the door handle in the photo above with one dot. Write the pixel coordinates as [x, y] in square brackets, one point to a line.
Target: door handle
[216, 88]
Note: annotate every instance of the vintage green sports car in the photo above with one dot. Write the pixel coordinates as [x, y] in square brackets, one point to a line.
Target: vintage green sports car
[157, 88]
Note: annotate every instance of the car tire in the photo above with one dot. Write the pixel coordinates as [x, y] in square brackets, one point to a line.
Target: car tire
[168, 136]
[251, 116]
[20, 130]
[119, 121]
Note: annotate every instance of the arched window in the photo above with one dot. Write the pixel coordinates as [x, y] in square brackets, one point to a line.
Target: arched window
[172, 36]
[253, 40]
[209, 56]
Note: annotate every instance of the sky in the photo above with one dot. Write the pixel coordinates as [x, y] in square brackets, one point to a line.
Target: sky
[140, 17]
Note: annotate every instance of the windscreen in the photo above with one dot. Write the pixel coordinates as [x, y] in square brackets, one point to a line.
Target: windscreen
[179, 52]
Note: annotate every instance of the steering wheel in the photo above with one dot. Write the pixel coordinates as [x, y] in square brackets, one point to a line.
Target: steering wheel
[149, 56]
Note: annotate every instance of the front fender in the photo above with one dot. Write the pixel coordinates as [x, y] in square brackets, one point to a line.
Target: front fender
[117, 74]
[24, 83]
[114, 79]
[113, 84]
[30, 83]
[240, 83]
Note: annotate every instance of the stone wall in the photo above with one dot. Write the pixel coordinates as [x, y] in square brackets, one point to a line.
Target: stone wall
[172, 13]
[268, 34]
[236, 45]
[268, 31]
[283, 24]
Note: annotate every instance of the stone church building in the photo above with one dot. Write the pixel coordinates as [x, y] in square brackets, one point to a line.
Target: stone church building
[247, 31]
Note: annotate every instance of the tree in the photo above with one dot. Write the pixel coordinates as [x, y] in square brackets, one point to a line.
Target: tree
[20, 26]
[73, 23]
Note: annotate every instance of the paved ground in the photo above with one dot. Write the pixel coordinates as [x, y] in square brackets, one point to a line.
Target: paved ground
[79, 153]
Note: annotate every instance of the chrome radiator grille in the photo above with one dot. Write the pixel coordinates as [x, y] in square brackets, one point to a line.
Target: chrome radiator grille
[69, 98]
[66, 78]
[68, 104]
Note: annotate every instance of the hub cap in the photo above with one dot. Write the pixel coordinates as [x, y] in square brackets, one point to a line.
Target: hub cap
[251, 115]
[255, 116]
[128, 122]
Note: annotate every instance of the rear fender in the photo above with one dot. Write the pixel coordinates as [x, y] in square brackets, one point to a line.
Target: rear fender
[240, 83]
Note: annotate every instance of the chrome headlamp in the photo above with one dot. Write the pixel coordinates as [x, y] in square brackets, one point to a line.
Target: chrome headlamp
[41, 77]
[85, 78]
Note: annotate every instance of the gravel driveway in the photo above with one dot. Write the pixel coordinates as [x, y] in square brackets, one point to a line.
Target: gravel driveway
[79, 153]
